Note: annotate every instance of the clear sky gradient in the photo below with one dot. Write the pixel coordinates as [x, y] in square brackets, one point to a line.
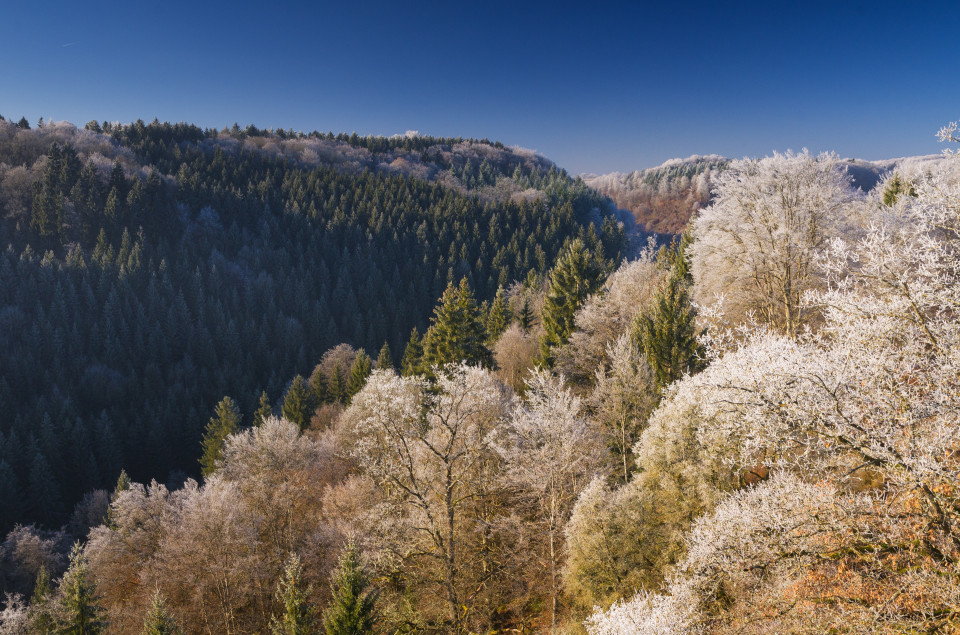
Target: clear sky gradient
[595, 86]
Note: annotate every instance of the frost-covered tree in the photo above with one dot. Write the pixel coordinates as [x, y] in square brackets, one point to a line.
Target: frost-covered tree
[550, 452]
[755, 245]
[158, 620]
[431, 453]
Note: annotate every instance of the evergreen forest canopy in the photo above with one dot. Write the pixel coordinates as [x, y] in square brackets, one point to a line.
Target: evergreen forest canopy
[150, 269]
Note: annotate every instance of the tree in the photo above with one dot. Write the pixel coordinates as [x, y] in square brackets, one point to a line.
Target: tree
[41, 609]
[299, 403]
[23, 124]
[755, 245]
[412, 355]
[429, 449]
[551, 454]
[358, 374]
[264, 410]
[158, 620]
[299, 616]
[499, 316]
[525, 316]
[578, 273]
[352, 608]
[338, 385]
[384, 359]
[224, 422]
[456, 333]
[79, 611]
[667, 335]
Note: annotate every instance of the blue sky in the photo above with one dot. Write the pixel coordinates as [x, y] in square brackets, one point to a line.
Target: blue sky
[595, 86]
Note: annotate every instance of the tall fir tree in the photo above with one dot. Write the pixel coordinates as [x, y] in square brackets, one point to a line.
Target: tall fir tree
[321, 389]
[384, 359]
[358, 374]
[499, 316]
[158, 620]
[338, 385]
[457, 333]
[299, 616]
[352, 609]
[225, 421]
[79, 612]
[667, 335]
[41, 604]
[525, 315]
[578, 273]
[299, 403]
[264, 410]
[412, 355]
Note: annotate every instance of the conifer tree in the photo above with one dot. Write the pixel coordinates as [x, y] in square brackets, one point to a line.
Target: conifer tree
[79, 612]
[412, 355]
[352, 609]
[158, 620]
[525, 316]
[358, 374]
[578, 273]
[44, 491]
[41, 615]
[123, 484]
[498, 319]
[321, 390]
[299, 403]
[264, 410]
[225, 421]
[457, 333]
[384, 359]
[667, 336]
[299, 616]
[338, 385]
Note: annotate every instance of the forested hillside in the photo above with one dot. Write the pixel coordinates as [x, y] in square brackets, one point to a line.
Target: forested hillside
[148, 270]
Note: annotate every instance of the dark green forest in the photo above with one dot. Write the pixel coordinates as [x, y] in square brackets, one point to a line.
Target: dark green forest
[150, 269]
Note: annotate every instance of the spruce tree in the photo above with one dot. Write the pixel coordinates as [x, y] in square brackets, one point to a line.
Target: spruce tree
[358, 374]
[158, 620]
[578, 273]
[498, 319]
[41, 614]
[352, 609]
[338, 385]
[457, 333]
[299, 403]
[225, 421]
[321, 390]
[525, 316]
[299, 616]
[667, 335]
[384, 359]
[412, 355]
[264, 410]
[79, 613]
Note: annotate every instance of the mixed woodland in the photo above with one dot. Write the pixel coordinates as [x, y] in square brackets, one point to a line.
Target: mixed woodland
[266, 382]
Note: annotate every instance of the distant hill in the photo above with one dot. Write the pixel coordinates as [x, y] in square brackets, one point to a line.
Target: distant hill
[664, 198]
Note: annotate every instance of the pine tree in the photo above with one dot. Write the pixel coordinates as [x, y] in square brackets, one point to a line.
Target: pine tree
[498, 319]
[412, 355]
[457, 333]
[321, 390]
[667, 336]
[225, 421]
[264, 410]
[338, 385]
[299, 617]
[23, 124]
[79, 612]
[352, 609]
[384, 359]
[41, 614]
[358, 374]
[123, 484]
[299, 403]
[525, 316]
[158, 620]
[578, 273]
